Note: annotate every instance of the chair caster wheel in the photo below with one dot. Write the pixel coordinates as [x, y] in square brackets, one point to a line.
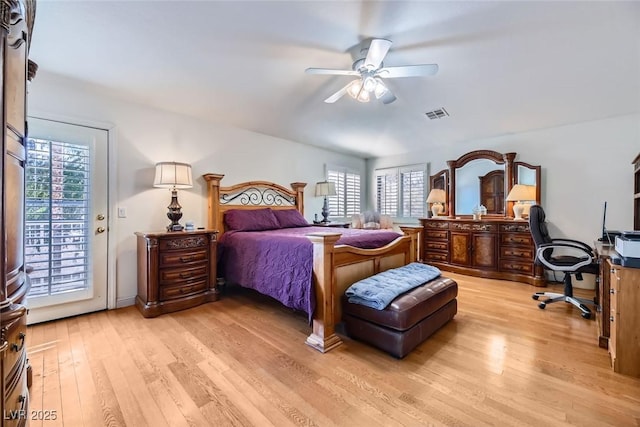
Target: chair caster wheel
[586, 315]
[542, 305]
[535, 297]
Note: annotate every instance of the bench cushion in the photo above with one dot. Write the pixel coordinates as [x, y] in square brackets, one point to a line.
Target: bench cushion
[409, 308]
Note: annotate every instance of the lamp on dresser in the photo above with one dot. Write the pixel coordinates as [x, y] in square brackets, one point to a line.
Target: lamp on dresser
[326, 189]
[436, 197]
[173, 175]
[518, 194]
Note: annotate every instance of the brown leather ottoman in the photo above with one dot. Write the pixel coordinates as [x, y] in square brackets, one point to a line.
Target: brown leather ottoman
[409, 320]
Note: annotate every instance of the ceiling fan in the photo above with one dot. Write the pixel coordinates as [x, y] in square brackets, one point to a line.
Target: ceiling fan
[371, 71]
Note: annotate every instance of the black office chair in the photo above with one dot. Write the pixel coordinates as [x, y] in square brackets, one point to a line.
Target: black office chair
[580, 259]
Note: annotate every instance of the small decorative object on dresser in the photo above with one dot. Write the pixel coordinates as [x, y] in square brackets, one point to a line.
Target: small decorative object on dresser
[173, 175]
[176, 271]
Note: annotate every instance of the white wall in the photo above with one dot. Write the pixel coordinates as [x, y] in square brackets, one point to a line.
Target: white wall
[144, 136]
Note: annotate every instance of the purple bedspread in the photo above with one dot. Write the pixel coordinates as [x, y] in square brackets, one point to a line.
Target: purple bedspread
[279, 263]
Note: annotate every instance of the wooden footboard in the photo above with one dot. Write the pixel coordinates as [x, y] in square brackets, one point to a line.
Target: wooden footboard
[335, 268]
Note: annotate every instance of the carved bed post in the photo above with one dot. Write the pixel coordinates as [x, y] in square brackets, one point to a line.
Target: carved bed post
[324, 338]
[214, 220]
[298, 187]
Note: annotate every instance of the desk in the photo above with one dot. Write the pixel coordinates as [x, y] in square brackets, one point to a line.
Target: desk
[618, 299]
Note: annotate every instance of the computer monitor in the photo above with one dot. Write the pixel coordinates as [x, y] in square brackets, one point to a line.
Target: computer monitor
[608, 236]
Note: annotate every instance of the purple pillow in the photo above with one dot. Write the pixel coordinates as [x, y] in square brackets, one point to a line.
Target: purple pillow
[250, 220]
[289, 218]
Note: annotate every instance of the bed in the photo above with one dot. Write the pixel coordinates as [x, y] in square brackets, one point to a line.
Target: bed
[330, 265]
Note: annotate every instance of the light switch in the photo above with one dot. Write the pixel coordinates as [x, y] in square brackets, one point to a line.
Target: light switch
[122, 212]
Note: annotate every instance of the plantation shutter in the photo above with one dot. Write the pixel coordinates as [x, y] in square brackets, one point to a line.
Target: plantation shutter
[413, 199]
[346, 202]
[387, 192]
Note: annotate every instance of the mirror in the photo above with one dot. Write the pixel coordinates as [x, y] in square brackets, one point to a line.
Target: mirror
[441, 181]
[486, 177]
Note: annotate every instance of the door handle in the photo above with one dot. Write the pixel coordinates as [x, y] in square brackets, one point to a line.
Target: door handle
[100, 230]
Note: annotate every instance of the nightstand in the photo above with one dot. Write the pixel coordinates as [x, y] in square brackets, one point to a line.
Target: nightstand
[332, 224]
[176, 270]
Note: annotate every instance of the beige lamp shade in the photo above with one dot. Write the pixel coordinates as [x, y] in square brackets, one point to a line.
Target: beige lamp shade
[437, 197]
[521, 193]
[173, 175]
[325, 188]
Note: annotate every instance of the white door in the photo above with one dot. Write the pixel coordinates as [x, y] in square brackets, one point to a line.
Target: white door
[66, 219]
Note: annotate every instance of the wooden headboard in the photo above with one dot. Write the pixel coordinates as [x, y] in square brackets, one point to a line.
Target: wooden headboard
[248, 195]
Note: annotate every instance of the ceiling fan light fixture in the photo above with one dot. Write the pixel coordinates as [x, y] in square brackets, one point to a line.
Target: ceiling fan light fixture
[355, 88]
[363, 96]
[369, 84]
[380, 89]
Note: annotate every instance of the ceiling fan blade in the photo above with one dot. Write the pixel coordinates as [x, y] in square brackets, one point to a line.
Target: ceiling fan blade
[377, 51]
[339, 94]
[330, 71]
[408, 71]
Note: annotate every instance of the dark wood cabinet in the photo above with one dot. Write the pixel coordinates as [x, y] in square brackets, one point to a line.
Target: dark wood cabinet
[16, 23]
[176, 270]
[493, 248]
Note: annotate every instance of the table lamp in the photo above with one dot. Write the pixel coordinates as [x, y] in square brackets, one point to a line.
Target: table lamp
[437, 197]
[173, 175]
[326, 189]
[518, 194]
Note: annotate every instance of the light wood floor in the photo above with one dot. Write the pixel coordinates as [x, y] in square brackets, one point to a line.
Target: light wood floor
[243, 361]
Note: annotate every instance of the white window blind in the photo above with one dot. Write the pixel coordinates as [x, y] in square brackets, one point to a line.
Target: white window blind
[346, 202]
[400, 192]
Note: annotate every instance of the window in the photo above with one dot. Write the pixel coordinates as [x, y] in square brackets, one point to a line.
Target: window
[346, 202]
[400, 191]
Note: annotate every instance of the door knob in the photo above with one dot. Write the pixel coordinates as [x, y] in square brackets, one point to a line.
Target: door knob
[100, 230]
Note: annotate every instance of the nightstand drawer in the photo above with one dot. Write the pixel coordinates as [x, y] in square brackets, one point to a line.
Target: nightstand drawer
[177, 275]
[170, 292]
[185, 242]
[169, 259]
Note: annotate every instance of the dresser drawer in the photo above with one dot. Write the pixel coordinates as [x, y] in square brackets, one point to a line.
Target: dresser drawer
[179, 258]
[524, 253]
[170, 276]
[16, 336]
[514, 266]
[16, 410]
[516, 239]
[436, 256]
[435, 234]
[436, 245]
[170, 292]
[182, 243]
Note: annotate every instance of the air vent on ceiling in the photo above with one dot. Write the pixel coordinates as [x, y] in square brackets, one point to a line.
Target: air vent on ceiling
[437, 114]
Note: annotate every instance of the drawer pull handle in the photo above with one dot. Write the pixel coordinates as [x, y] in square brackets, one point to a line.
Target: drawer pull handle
[15, 347]
[612, 291]
[187, 258]
[185, 275]
[23, 402]
[611, 318]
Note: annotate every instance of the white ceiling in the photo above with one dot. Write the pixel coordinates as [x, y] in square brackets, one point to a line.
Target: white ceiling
[505, 67]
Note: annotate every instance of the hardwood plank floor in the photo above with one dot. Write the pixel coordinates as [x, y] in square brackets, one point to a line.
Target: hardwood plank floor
[242, 361]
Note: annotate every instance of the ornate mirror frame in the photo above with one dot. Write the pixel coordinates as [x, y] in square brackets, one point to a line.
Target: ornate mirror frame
[511, 177]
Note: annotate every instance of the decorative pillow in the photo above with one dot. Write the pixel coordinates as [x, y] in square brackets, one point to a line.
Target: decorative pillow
[386, 221]
[356, 222]
[289, 218]
[251, 220]
[370, 220]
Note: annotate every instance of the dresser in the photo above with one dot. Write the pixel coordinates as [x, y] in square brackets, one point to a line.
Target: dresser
[176, 270]
[492, 248]
[16, 23]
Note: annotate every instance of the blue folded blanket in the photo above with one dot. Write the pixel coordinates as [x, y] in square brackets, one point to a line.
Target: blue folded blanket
[380, 289]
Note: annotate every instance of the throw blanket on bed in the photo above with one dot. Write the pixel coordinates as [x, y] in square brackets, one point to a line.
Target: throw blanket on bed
[380, 289]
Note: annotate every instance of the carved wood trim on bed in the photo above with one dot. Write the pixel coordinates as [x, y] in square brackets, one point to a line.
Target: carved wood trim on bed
[335, 268]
